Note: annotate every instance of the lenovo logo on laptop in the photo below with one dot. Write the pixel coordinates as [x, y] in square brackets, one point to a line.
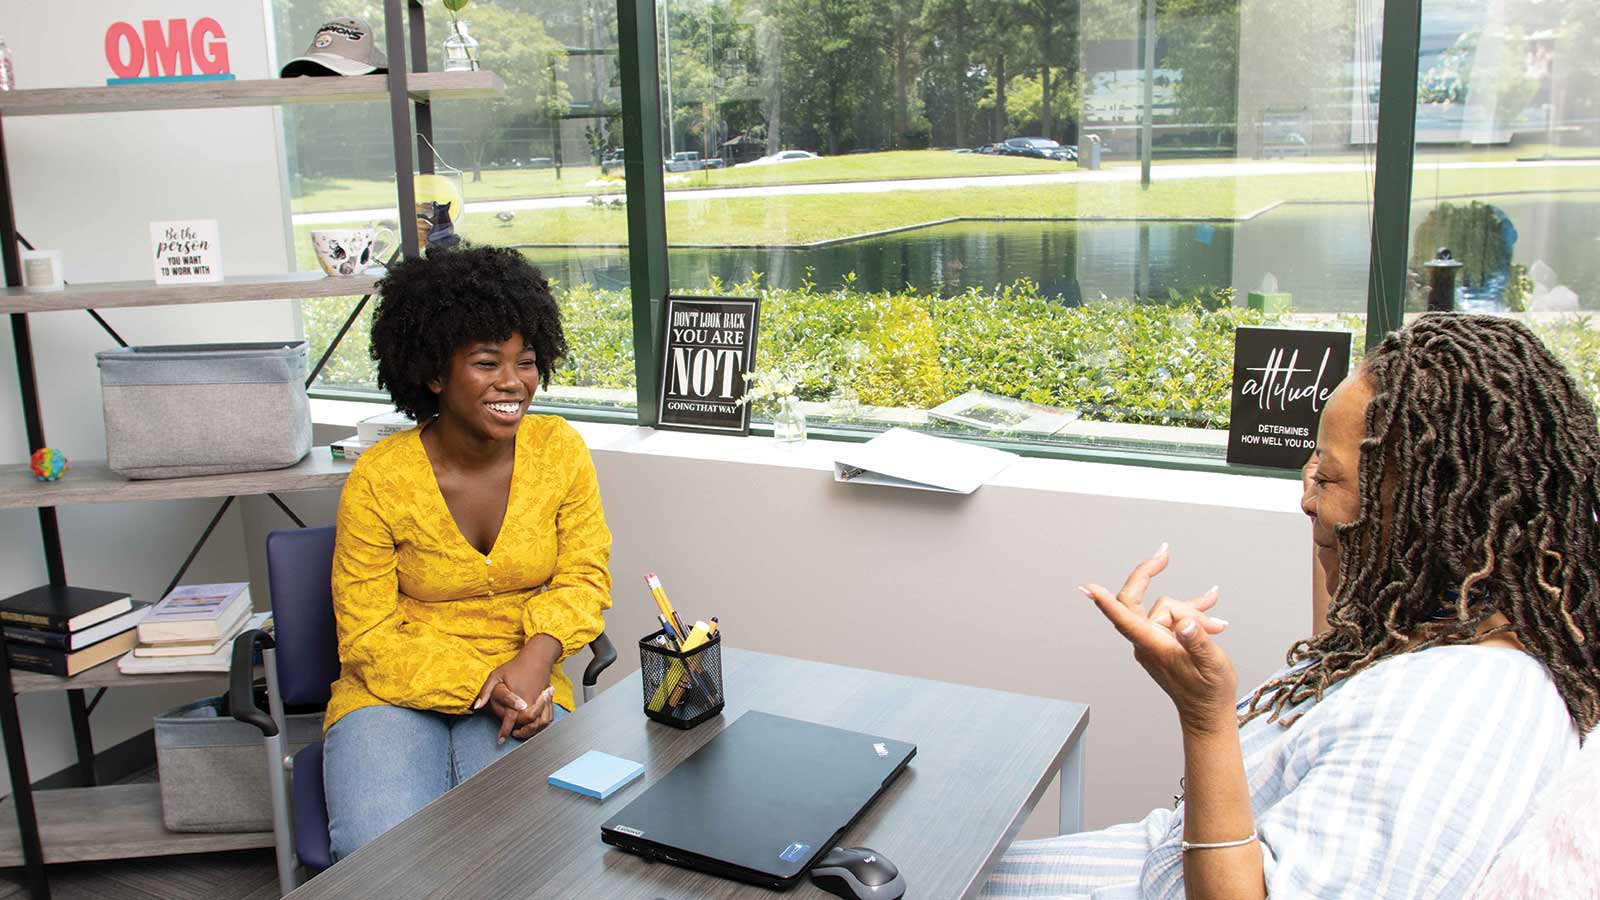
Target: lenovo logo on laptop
[155, 51]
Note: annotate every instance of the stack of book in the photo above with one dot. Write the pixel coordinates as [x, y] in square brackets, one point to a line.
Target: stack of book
[62, 630]
[190, 630]
[370, 431]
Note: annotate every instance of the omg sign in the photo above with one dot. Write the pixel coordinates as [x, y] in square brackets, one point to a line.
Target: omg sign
[166, 51]
[711, 345]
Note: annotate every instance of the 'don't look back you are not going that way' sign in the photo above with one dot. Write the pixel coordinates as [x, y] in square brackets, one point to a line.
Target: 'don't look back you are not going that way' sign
[711, 346]
[1282, 379]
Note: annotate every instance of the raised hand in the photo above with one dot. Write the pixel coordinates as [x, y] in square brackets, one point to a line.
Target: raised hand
[1172, 640]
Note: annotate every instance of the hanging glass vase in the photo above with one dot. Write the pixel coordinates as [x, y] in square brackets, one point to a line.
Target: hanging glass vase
[789, 423]
[460, 49]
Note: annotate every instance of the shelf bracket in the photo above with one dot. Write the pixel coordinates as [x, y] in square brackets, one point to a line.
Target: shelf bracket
[204, 536]
[286, 510]
[94, 315]
[88, 710]
[344, 329]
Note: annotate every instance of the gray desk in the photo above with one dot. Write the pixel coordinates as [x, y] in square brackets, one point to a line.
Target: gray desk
[983, 760]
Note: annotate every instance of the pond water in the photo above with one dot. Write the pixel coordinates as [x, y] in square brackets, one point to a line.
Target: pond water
[1318, 253]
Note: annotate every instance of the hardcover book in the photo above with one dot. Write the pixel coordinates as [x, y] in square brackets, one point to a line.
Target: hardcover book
[63, 607]
[78, 640]
[30, 658]
[196, 612]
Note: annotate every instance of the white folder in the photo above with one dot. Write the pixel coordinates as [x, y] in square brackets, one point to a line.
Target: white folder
[903, 458]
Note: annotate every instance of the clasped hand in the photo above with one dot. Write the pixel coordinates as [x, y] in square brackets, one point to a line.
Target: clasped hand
[1172, 640]
[506, 692]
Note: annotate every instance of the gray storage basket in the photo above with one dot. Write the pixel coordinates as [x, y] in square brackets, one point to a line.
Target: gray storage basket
[214, 767]
[205, 409]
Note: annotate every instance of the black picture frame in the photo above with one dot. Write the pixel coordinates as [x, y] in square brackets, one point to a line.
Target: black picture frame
[702, 384]
[1282, 378]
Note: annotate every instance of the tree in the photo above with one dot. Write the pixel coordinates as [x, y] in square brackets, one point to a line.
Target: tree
[1202, 38]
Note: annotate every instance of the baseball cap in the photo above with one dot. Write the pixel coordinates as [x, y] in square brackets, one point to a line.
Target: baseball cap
[341, 47]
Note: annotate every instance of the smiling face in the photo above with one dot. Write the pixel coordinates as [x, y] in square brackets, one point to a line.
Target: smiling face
[487, 386]
[1333, 496]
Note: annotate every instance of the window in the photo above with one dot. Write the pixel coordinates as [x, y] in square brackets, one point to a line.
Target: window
[943, 203]
[539, 169]
[1507, 173]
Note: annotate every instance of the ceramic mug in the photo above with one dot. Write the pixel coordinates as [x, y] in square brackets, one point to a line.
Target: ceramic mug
[348, 251]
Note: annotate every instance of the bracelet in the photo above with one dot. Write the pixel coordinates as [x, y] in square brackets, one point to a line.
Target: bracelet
[1189, 845]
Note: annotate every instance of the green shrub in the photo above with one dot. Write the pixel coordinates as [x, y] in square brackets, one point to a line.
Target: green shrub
[1114, 361]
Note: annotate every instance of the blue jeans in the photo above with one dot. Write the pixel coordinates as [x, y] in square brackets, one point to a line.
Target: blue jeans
[380, 764]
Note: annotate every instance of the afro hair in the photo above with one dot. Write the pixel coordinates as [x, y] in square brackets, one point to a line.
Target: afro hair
[433, 305]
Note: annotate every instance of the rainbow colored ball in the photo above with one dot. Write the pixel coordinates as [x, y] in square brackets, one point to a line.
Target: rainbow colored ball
[48, 464]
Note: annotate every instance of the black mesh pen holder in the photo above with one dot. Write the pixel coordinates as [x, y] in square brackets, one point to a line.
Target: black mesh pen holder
[681, 689]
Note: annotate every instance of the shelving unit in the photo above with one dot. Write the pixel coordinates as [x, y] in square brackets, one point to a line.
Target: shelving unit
[421, 87]
[92, 482]
[118, 294]
[109, 822]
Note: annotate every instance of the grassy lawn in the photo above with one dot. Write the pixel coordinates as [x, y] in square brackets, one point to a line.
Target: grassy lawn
[809, 218]
[325, 194]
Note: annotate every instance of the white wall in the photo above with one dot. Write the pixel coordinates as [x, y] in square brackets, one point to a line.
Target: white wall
[976, 590]
[90, 186]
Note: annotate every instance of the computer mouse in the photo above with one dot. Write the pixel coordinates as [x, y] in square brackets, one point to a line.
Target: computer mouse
[858, 873]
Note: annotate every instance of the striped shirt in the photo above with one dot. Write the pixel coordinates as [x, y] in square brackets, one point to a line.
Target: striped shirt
[1403, 782]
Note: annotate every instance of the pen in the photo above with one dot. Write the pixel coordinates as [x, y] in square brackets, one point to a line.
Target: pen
[671, 634]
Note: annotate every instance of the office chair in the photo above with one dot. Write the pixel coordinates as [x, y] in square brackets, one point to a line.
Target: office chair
[302, 662]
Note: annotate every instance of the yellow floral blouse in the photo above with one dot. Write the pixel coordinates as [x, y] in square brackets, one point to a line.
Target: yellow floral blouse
[422, 616]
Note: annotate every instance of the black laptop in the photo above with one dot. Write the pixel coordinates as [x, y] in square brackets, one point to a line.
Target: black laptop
[760, 802]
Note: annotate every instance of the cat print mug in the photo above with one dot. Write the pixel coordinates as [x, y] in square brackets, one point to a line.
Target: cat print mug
[348, 251]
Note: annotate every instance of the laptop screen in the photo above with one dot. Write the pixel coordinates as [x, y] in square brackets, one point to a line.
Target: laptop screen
[760, 801]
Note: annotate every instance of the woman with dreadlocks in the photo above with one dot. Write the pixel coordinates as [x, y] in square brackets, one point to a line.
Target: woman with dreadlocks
[1453, 501]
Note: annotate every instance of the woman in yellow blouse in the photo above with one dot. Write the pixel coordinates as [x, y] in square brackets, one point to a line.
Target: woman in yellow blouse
[472, 550]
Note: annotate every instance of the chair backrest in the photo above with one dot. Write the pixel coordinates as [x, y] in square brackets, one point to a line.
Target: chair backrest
[300, 580]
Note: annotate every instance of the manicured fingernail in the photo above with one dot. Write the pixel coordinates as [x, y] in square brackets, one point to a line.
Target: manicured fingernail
[1214, 590]
[502, 740]
[477, 704]
[1161, 549]
[1187, 629]
[1220, 621]
[1085, 591]
[521, 704]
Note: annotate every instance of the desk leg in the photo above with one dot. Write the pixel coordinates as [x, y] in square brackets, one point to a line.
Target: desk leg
[1072, 787]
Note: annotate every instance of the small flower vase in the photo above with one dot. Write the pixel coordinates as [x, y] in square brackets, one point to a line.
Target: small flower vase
[789, 424]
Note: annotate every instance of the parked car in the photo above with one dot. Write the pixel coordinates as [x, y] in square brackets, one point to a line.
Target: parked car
[1038, 148]
[786, 156]
[1292, 144]
[685, 161]
[990, 149]
[611, 160]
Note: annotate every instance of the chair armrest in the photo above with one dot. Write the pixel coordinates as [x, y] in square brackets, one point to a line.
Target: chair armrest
[241, 681]
[604, 656]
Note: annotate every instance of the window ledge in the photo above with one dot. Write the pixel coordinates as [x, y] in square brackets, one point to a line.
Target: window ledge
[1219, 489]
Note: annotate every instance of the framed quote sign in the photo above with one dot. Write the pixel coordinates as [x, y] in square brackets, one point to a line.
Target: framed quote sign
[711, 346]
[1282, 378]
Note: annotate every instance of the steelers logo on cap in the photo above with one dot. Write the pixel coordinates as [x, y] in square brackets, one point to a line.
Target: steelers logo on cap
[324, 40]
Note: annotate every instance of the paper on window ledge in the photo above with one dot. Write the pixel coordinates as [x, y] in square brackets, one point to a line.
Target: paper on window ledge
[903, 458]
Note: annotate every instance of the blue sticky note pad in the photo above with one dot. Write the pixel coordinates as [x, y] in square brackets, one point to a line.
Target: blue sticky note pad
[596, 774]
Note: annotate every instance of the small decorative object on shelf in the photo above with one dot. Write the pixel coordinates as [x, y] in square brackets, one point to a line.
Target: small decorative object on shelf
[186, 252]
[460, 49]
[8, 78]
[439, 206]
[779, 386]
[348, 251]
[48, 464]
[41, 271]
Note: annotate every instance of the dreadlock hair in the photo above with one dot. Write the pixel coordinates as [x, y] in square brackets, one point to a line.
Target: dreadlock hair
[433, 305]
[1479, 488]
